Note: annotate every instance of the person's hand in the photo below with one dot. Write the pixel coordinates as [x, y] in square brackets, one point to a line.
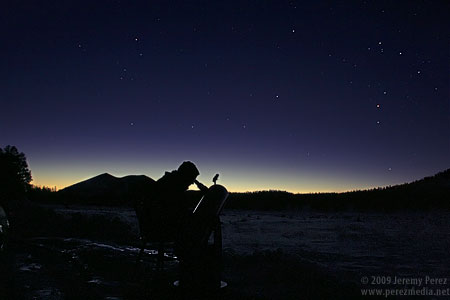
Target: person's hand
[201, 186]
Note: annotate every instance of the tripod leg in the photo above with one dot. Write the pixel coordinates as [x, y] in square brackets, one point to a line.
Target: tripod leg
[217, 250]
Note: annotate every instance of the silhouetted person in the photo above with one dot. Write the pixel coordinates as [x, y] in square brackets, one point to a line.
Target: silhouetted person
[170, 192]
[165, 205]
[167, 215]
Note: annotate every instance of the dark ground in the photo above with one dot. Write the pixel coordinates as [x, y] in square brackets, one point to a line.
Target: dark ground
[56, 268]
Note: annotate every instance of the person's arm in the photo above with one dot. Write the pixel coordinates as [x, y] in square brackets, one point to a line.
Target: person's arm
[201, 186]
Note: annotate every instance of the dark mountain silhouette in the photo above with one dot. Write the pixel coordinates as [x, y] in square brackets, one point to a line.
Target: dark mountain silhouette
[105, 189]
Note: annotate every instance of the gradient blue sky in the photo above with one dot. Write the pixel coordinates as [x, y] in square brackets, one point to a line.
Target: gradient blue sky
[289, 95]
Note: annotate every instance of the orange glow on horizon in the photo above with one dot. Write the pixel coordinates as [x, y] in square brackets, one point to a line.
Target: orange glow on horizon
[236, 186]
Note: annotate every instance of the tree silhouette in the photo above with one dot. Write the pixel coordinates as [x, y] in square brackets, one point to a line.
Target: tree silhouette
[15, 176]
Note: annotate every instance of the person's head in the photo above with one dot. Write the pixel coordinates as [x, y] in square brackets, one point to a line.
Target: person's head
[188, 171]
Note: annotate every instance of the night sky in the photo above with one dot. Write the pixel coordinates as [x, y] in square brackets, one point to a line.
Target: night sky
[290, 95]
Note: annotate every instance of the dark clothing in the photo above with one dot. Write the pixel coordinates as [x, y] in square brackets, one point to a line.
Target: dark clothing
[171, 187]
[164, 207]
[170, 194]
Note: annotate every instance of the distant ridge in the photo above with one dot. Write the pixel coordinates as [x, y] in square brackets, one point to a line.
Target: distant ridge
[105, 189]
[440, 180]
[431, 192]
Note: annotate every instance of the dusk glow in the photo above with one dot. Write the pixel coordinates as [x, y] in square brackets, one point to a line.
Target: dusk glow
[296, 96]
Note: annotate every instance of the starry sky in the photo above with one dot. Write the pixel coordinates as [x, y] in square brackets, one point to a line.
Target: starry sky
[303, 96]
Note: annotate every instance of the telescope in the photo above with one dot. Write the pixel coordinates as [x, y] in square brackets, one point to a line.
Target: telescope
[200, 261]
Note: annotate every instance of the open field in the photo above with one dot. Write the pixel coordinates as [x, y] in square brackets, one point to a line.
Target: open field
[267, 255]
[400, 243]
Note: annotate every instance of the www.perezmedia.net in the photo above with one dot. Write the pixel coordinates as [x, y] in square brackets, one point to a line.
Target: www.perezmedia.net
[387, 286]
